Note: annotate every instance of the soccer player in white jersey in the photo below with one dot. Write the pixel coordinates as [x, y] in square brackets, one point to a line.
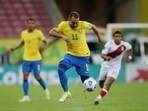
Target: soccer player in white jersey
[112, 54]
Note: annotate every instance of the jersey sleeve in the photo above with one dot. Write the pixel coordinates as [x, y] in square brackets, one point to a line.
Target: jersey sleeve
[86, 25]
[41, 35]
[59, 27]
[128, 46]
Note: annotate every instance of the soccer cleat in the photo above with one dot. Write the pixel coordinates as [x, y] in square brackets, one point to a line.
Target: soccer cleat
[65, 96]
[25, 99]
[96, 101]
[47, 94]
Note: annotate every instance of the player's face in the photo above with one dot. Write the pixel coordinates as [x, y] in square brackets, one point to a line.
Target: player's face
[30, 25]
[73, 22]
[117, 38]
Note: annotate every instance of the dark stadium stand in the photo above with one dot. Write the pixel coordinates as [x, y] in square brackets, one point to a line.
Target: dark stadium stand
[13, 15]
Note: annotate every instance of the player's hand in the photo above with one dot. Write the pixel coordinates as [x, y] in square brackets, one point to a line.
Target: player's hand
[10, 50]
[66, 39]
[108, 58]
[129, 59]
[42, 48]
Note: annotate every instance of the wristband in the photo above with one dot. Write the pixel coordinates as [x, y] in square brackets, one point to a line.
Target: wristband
[130, 57]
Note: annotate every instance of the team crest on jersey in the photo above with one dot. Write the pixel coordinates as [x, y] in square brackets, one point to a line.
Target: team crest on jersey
[122, 48]
[80, 30]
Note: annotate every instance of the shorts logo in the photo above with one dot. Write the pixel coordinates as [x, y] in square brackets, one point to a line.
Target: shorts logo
[38, 67]
[122, 48]
[87, 67]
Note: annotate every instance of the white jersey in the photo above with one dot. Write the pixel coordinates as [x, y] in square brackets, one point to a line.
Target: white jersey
[116, 52]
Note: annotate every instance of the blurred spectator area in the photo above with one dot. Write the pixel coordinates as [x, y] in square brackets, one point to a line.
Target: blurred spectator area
[13, 15]
[48, 13]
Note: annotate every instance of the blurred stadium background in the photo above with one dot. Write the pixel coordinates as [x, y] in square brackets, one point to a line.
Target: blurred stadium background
[128, 16]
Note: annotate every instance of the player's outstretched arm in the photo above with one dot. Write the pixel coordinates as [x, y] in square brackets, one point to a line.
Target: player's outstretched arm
[95, 29]
[17, 47]
[47, 44]
[51, 42]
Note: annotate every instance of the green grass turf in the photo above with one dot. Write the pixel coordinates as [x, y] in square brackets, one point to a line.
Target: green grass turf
[122, 97]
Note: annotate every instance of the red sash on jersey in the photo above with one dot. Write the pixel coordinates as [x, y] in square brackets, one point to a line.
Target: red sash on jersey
[117, 52]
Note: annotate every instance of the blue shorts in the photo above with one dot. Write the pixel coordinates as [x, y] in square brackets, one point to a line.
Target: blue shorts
[80, 63]
[28, 66]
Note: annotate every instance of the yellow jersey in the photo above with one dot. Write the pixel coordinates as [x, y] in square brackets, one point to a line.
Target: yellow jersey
[32, 41]
[77, 45]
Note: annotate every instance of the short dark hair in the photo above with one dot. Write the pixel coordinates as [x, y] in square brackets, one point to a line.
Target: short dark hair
[117, 32]
[30, 19]
[74, 14]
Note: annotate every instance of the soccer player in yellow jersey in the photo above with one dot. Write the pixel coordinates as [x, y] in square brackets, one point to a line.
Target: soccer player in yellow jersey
[31, 39]
[78, 53]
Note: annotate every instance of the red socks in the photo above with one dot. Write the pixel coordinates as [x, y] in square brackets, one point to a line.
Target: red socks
[103, 92]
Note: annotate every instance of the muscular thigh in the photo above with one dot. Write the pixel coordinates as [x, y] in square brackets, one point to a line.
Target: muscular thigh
[113, 72]
[82, 66]
[26, 66]
[108, 72]
[66, 63]
[80, 63]
[103, 73]
[36, 67]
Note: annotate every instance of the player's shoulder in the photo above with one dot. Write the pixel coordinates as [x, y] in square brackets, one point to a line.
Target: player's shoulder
[125, 43]
[37, 30]
[85, 25]
[110, 42]
[84, 22]
[24, 31]
[64, 22]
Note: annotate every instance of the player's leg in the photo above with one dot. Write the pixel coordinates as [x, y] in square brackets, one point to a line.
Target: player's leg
[36, 66]
[111, 76]
[26, 67]
[43, 85]
[102, 78]
[84, 74]
[101, 83]
[109, 81]
[82, 67]
[83, 78]
[83, 71]
[105, 89]
[63, 66]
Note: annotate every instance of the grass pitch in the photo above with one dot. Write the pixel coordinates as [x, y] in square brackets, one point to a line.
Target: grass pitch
[122, 97]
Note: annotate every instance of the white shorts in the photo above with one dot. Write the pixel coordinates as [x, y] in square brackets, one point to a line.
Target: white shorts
[108, 72]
